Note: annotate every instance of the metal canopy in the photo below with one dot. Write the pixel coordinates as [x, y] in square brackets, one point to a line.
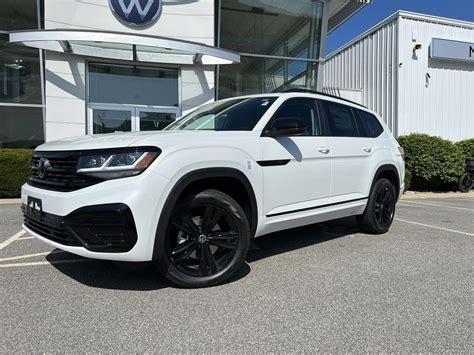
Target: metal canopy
[125, 46]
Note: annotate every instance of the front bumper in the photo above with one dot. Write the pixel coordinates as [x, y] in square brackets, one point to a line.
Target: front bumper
[101, 228]
[143, 196]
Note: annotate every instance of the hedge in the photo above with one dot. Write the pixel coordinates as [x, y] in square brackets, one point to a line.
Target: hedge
[434, 163]
[467, 147]
[15, 167]
[407, 180]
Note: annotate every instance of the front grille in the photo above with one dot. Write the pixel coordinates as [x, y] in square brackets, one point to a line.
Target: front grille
[61, 174]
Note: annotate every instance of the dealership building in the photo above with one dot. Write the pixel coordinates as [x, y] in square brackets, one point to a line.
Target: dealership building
[74, 67]
[416, 71]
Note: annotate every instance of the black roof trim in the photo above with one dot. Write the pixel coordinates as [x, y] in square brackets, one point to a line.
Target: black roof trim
[308, 91]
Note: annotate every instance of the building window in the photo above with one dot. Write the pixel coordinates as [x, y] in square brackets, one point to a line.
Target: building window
[263, 75]
[21, 127]
[279, 41]
[127, 84]
[124, 98]
[21, 85]
[18, 15]
[20, 79]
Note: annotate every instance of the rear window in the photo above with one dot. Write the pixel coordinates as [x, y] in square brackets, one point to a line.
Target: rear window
[341, 120]
[372, 126]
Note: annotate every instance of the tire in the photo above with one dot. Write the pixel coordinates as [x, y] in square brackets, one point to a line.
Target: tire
[465, 182]
[378, 215]
[207, 240]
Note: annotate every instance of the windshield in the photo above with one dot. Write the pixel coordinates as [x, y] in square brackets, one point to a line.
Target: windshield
[240, 114]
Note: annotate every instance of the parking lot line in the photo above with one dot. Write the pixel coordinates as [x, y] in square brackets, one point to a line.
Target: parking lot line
[438, 205]
[11, 239]
[25, 238]
[38, 263]
[435, 227]
[31, 255]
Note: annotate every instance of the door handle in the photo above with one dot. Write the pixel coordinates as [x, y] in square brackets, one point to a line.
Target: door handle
[323, 150]
[367, 150]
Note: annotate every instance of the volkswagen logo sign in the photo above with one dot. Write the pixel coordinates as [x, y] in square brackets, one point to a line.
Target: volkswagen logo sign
[137, 13]
[43, 167]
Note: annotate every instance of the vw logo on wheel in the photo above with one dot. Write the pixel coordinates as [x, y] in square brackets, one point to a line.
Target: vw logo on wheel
[138, 13]
[43, 167]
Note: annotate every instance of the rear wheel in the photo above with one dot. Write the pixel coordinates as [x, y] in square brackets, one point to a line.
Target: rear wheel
[207, 240]
[465, 182]
[378, 215]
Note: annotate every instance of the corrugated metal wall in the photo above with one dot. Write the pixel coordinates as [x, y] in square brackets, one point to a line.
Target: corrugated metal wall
[368, 65]
[411, 91]
[443, 103]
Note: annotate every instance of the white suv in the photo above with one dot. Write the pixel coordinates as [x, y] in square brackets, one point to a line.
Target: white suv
[193, 196]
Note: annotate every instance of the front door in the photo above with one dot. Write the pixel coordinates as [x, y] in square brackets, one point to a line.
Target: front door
[296, 170]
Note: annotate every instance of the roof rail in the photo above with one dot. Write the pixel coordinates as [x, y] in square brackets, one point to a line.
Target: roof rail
[309, 91]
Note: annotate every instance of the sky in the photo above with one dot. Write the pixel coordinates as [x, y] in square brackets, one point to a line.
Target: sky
[381, 9]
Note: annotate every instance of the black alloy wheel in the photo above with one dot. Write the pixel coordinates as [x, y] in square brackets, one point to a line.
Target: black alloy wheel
[207, 240]
[384, 207]
[380, 210]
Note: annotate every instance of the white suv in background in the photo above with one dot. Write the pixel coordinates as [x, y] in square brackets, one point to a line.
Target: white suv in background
[192, 197]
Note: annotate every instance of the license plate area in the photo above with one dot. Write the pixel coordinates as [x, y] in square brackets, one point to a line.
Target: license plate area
[34, 208]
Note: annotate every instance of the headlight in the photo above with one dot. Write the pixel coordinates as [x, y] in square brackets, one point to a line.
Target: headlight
[116, 163]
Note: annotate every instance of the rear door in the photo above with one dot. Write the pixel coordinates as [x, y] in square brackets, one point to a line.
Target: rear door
[351, 152]
[296, 170]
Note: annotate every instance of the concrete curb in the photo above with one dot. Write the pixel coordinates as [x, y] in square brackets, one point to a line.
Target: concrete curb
[413, 195]
[10, 201]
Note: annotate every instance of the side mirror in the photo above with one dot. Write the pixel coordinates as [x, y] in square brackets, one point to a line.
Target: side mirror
[285, 126]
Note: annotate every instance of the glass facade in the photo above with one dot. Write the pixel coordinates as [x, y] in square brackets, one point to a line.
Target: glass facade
[21, 127]
[21, 86]
[20, 79]
[279, 41]
[18, 15]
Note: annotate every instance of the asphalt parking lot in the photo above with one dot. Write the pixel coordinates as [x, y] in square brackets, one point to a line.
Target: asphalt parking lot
[321, 288]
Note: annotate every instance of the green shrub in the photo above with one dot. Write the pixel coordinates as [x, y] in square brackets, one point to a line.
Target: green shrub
[407, 179]
[15, 168]
[434, 163]
[467, 147]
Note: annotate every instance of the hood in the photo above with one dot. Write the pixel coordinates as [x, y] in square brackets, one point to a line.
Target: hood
[100, 141]
[120, 140]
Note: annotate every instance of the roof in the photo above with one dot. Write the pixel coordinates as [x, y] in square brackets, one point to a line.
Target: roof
[404, 14]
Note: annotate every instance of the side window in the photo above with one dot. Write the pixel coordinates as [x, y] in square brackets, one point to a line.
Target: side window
[305, 110]
[341, 120]
[371, 123]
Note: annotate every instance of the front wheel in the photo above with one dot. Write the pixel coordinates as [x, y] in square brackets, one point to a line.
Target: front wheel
[207, 240]
[465, 182]
[378, 215]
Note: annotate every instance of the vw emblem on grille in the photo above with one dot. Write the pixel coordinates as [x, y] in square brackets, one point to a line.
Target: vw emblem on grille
[43, 167]
[138, 13]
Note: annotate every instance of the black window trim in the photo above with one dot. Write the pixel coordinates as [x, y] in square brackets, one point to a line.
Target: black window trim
[324, 108]
[364, 122]
[322, 118]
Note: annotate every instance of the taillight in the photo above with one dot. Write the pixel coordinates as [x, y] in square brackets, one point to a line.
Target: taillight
[402, 152]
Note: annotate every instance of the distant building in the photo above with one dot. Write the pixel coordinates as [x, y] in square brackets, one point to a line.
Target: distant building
[415, 70]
